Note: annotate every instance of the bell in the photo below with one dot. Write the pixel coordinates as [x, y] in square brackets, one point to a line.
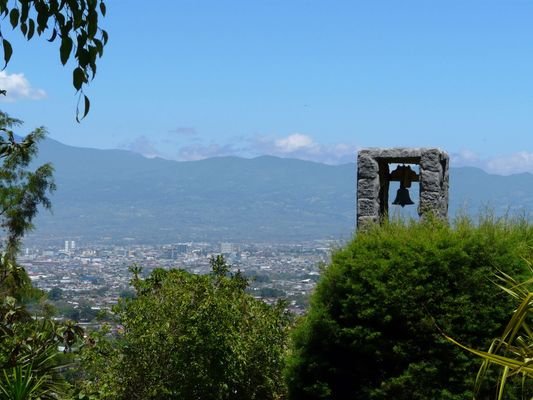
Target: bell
[402, 197]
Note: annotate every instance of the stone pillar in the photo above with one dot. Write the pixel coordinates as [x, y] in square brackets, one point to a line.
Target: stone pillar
[368, 188]
[434, 184]
[373, 180]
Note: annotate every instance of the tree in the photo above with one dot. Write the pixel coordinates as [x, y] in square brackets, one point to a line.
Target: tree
[373, 330]
[28, 347]
[74, 23]
[22, 191]
[55, 294]
[189, 336]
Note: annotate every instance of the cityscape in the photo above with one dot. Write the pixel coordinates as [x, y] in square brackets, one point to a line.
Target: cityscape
[84, 280]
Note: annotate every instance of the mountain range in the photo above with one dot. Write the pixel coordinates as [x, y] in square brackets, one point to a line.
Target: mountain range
[118, 195]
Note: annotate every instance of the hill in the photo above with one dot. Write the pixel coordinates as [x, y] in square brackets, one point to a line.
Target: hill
[119, 195]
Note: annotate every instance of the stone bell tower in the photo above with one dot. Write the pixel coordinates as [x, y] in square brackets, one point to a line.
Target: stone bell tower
[374, 176]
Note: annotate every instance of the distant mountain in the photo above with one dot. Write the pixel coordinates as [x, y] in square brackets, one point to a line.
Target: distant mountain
[119, 195]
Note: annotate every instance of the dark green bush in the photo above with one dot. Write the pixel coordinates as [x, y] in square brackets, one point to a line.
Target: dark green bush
[372, 331]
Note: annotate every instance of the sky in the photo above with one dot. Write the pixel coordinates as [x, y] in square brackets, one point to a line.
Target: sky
[309, 79]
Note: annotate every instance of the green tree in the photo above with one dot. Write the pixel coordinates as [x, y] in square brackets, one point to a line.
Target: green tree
[372, 328]
[55, 294]
[126, 294]
[29, 356]
[22, 191]
[189, 336]
[86, 311]
[72, 313]
[73, 23]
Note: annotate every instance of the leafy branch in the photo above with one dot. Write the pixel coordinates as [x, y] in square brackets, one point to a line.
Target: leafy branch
[74, 23]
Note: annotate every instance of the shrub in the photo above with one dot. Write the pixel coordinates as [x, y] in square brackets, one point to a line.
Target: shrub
[189, 336]
[372, 331]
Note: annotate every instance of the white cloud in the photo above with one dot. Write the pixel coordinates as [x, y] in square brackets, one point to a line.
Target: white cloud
[465, 157]
[511, 164]
[163, 148]
[143, 146]
[295, 145]
[298, 145]
[304, 147]
[18, 87]
[295, 142]
[506, 164]
[301, 146]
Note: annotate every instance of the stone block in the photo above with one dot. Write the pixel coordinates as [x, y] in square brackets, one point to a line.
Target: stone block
[431, 160]
[363, 222]
[367, 167]
[367, 208]
[431, 201]
[368, 188]
[430, 181]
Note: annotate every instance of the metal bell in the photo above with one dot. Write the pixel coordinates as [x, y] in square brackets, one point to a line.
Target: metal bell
[402, 197]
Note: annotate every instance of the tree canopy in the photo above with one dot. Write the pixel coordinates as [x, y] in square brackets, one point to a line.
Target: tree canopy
[374, 327]
[187, 336]
[22, 191]
[75, 24]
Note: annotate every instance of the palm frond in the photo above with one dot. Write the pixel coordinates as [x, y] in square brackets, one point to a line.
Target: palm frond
[513, 351]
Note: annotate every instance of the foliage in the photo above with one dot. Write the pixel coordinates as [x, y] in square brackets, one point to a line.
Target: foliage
[371, 331]
[55, 293]
[513, 350]
[21, 384]
[29, 357]
[74, 23]
[187, 336]
[22, 191]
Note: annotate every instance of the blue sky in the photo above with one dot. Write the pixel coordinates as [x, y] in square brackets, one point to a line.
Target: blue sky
[306, 79]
